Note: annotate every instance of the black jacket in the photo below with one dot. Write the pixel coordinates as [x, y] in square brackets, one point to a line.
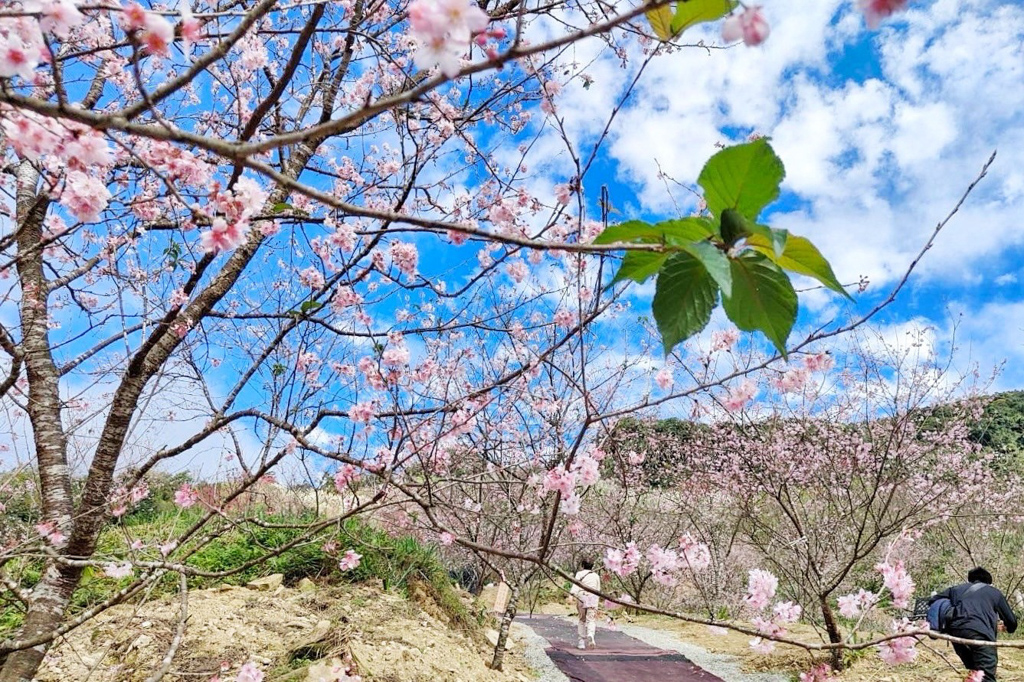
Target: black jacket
[976, 612]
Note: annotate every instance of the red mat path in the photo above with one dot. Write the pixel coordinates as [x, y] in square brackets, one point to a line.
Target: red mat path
[617, 658]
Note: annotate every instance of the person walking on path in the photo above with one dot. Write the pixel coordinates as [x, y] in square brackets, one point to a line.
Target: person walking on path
[586, 603]
[975, 608]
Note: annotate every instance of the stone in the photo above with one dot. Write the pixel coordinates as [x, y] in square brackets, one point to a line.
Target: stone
[307, 585]
[267, 583]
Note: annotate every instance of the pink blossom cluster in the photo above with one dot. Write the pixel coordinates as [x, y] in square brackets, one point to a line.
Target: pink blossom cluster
[405, 256]
[558, 479]
[154, 32]
[185, 496]
[664, 564]
[819, 673]
[50, 531]
[851, 605]
[724, 340]
[362, 412]
[587, 470]
[117, 571]
[622, 563]
[739, 395]
[249, 673]
[350, 560]
[749, 25]
[443, 30]
[83, 155]
[346, 475]
[22, 45]
[761, 587]
[898, 582]
[900, 649]
[233, 209]
[877, 10]
[121, 499]
[664, 378]
[695, 555]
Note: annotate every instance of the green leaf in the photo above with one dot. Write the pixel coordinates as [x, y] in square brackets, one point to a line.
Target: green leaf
[803, 257]
[715, 262]
[640, 266]
[660, 20]
[762, 298]
[666, 232]
[684, 297]
[770, 241]
[692, 12]
[744, 177]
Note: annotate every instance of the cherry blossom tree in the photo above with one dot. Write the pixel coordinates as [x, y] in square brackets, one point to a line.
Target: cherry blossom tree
[284, 234]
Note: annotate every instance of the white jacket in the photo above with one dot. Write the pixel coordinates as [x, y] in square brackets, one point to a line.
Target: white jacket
[592, 581]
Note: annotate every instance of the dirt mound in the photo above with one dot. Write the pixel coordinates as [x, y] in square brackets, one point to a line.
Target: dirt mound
[290, 634]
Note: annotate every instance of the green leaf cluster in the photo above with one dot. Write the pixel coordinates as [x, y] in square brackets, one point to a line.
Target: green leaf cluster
[728, 256]
[669, 21]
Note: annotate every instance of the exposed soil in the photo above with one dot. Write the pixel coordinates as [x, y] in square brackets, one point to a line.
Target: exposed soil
[291, 635]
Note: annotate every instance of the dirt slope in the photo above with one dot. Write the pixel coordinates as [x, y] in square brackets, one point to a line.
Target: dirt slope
[290, 634]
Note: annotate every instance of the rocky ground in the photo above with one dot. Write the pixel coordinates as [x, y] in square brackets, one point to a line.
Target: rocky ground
[305, 633]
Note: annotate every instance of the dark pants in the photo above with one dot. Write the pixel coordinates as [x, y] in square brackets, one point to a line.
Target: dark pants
[984, 658]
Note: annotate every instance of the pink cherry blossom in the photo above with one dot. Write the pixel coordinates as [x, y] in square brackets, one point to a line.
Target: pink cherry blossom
[345, 476]
[405, 256]
[898, 582]
[49, 531]
[877, 10]
[750, 25]
[761, 588]
[19, 57]
[851, 605]
[361, 412]
[168, 547]
[133, 16]
[118, 571]
[695, 555]
[446, 538]
[724, 340]
[571, 505]
[222, 236]
[561, 480]
[350, 560]
[249, 673]
[84, 195]
[59, 17]
[563, 194]
[786, 612]
[901, 649]
[739, 395]
[819, 362]
[443, 29]
[819, 673]
[587, 469]
[185, 496]
[664, 378]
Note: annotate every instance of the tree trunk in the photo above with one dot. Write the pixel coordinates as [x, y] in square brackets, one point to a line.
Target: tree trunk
[506, 623]
[835, 636]
[45, 614]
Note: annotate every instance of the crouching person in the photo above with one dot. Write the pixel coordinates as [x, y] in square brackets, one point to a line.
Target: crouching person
[974, 609]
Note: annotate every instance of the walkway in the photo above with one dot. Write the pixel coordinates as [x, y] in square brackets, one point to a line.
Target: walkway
[618, 658]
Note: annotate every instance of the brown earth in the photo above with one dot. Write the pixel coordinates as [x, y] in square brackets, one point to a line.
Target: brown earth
[290, 634]
[936, 660]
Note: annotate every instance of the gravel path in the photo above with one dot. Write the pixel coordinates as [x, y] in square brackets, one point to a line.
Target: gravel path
[535, 645]
[723, 665]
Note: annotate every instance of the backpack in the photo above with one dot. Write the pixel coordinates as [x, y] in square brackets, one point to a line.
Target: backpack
[939, 613]
[942, 612]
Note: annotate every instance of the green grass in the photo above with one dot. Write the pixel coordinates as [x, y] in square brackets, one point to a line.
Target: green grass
[397, 562]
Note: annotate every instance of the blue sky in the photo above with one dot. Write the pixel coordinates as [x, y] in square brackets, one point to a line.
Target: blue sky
[880, 132]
